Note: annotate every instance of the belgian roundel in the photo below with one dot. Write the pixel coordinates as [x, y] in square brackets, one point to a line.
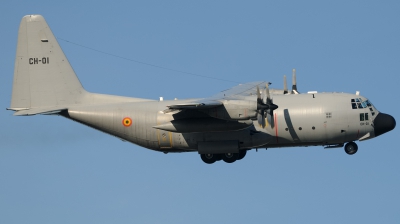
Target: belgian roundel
[127, 121]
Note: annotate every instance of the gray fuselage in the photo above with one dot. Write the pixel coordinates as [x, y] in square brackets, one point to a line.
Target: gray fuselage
[300, 120]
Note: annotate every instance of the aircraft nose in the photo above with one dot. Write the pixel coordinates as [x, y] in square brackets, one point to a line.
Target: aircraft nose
[383, 123]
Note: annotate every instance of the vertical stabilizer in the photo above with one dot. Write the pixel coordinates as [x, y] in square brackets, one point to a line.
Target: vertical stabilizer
[43, 76]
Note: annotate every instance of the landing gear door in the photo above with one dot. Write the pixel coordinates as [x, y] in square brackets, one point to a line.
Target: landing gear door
[164, 139]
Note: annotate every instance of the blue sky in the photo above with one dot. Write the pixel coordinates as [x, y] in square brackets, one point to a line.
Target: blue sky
[56, 171]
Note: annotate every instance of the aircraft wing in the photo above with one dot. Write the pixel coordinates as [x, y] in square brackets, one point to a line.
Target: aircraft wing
[198, 104]
[234, 93]
[240, 91]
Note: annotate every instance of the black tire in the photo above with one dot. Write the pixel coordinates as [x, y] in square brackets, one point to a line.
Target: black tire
[351, 148]
[242, 154]
[230, 157]
[208, 158]
[218, 157]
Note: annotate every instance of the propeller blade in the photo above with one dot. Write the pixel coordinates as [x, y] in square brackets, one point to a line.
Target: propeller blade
[285, 90]
[261, 118]
[267, 91]
[264, 96]
[270, 118]
[260, 102]
[265, 107]
[294, 83]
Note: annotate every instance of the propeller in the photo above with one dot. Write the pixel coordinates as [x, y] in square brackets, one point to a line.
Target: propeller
[285, 90]
[294, 86]
[265, 107]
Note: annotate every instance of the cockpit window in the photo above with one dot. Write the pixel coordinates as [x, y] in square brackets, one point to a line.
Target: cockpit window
[358, 103]
[364, 104]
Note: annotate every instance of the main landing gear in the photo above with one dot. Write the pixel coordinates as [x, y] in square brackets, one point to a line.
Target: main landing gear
[226, 157]
[351, 148]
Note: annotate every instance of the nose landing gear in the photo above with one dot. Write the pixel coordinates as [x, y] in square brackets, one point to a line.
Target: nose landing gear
[351, 148]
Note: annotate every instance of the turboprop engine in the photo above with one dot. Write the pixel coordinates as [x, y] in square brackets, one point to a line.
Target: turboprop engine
[223, 115]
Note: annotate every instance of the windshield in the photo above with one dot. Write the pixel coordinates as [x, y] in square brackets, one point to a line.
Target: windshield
[358, 103]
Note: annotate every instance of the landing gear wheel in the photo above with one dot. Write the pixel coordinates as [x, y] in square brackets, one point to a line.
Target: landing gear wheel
[218, 157]
[230, 157]
[242, 154]
[351, 148]
[208, 158]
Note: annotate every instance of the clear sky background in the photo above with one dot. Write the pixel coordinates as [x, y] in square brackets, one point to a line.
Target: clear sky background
[53, 170]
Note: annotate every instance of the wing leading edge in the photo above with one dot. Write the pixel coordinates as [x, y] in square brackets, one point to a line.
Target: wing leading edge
[235, 93]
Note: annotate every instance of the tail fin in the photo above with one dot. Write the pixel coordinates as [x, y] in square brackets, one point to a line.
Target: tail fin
[43, 77]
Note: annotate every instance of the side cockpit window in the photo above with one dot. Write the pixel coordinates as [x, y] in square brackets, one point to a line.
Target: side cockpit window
[353, 104]
[370, 106]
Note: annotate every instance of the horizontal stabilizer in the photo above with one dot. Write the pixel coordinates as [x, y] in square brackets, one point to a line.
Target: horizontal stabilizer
[35, 111]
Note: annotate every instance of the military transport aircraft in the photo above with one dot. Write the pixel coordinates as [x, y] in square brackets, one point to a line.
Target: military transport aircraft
[221, 127]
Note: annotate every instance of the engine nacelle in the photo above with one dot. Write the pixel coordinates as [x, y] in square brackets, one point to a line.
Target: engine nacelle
[234, 110]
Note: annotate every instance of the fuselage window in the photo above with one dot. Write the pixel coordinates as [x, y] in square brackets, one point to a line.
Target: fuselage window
[366, 116]
[361, 116]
